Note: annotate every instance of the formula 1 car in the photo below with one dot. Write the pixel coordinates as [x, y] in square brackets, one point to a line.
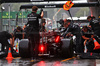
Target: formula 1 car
[51, 43]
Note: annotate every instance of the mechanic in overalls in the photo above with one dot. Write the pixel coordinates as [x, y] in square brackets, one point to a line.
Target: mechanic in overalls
[32, 30]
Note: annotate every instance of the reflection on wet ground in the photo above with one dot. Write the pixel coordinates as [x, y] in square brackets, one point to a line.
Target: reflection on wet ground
[48, 62]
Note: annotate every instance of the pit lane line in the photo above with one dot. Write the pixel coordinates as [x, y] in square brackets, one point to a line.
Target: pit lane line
[17, 58]
[61, 60]
[20, 57]
[68, 59]
[97, 60]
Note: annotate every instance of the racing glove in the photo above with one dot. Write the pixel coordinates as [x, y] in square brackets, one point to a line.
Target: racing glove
[41, 11]
[91, 39]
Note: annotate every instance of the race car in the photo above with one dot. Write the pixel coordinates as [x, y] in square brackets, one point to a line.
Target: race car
[51, 44]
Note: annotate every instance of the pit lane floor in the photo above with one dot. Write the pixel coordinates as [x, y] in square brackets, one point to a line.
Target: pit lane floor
[74, 61]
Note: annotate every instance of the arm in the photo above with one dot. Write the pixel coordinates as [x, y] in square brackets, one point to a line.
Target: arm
[85, 42]
[45, 30]
[23, 36]
[12, 41]
[86, 38]
[24, 26]
[42, 14]
[89, 26]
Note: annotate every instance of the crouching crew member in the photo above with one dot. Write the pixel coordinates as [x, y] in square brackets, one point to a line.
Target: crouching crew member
[4, 36]
[87, 36]
[32, 31]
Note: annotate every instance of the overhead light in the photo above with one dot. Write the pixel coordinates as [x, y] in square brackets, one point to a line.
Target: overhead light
[3, 8]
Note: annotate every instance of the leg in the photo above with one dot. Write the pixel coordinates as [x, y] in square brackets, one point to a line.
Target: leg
[31, 45]
[36, 40]
[85, 42]
[34, 43]
[90, 46]
[12, 42]
[85, 45]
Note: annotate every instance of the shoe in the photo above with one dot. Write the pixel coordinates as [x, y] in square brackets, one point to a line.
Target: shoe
[32, 59]
[77, 53]
[35, 59]
[14, 51]
[1, 53]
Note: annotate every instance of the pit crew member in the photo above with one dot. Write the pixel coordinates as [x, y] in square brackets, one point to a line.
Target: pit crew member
[87, 38]
[4, 36]
[32, 31]
[75, 30]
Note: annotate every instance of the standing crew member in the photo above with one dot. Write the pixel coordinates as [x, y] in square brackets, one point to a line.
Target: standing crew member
[32, 30]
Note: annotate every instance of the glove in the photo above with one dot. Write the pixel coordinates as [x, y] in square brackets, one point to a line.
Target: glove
[90, 39]
[87, 43]
[41, 9]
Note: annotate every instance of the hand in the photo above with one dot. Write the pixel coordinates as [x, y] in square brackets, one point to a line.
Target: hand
[24, 27]
[91, 39]
[41, 9]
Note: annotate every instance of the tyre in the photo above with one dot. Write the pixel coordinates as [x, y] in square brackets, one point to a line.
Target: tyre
[24, 48]
[67, 48]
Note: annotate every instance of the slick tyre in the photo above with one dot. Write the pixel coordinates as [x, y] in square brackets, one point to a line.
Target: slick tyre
[67, 48]
[24, 48]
